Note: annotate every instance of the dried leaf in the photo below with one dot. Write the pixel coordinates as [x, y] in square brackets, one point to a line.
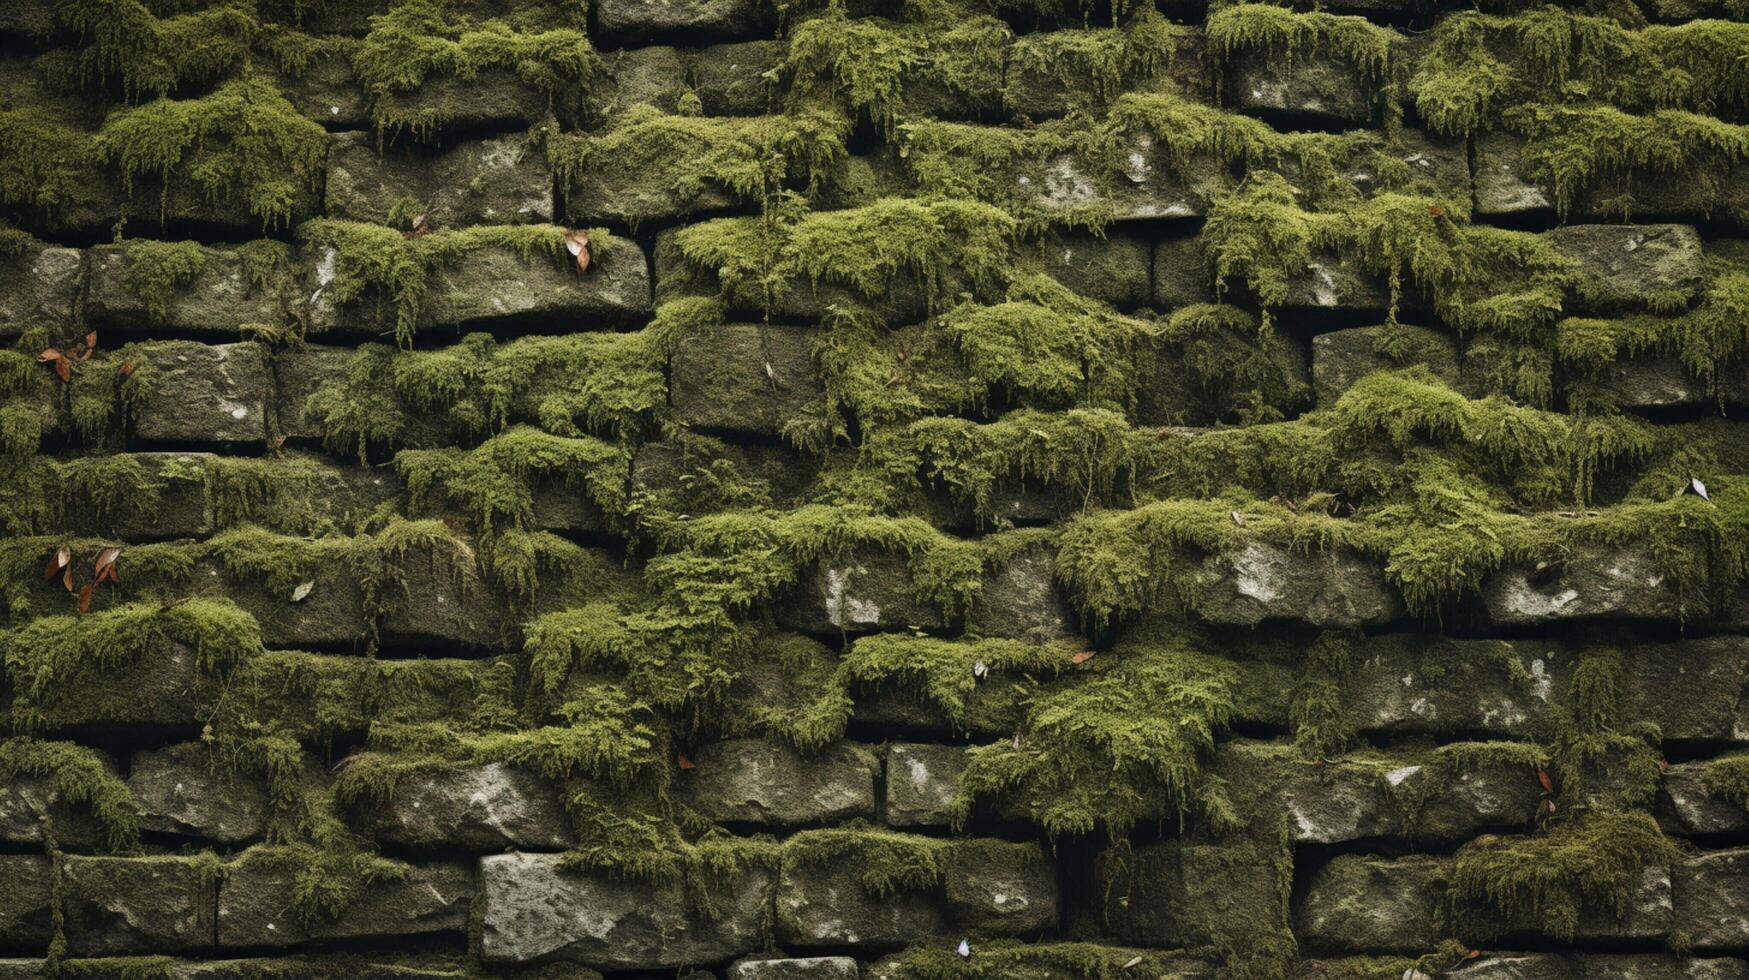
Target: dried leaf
[1436, 210]
[577, 243]
[1472, 954]
[1542, 776]
[1130, 963]
[683, 761]
[965, 950]
[1699, 488]
[302, 592]
[85, 599]
[67, 579]
[48, 355]
[1082, 657]
[64, 369]
[57, 562]
[105, 567]
[979, 669]
[127, 368]
[90, 346]
[279, 441]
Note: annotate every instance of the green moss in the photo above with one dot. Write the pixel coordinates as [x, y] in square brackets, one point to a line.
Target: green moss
[109, 488]
[944, 674]
[419, 41]
[494, 482]
[154, 49]
[883, 862]
[243, 146]
[686, 156]
[878, 66]
[1543, 882]
[45, 655]
[1322, 728]
[156, 271]
[1120, 742]
[1001, 959]
[82, 779]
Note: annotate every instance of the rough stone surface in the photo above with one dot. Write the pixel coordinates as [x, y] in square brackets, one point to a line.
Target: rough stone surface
[1687, 806]
[746, 377]
[504, 180]
[827, 906]
[29, 805]
[204, 393]
[1665, 382]
[1000, 888]
[809, 968]
[1710, 895]
[1186, 892]
[1312, 87]
[1365, 904]
[492, 807]
[865, 590]
[630, 22]
[124, 905]
[188, 790]
[922, 781]
[41, 286]
[255, 905]
[26, 911]
[1020, 600]
[221, 298]
[768, 783]
[1113, 268]
[1595, 582]
[533, 910]
[1624, 268]
[1342, 357]
[1263, 581]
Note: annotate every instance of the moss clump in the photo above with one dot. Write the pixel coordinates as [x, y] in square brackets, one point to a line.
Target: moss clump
[1001, 959]
[418, 41]
[82, 779]
[603, 383]
[380, 263]
[155, 271]
[44, 656]
[687, 156]
[1544, 882]
[884, 862]
[493, 481]
[241, 146]
[1120, 742]
[154, 49]
[1100, 63]
[945, 674]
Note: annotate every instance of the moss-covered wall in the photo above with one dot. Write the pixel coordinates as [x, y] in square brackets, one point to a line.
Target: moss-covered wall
[931, 489]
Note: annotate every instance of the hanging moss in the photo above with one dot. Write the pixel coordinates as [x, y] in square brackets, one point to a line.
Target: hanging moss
[493, 481]
[1123, 741]
[944, 673]
[885, 862]
[419, 41]
[44, 162]
[154, 49]
[156, 271]
[1544, 882]
[242, 147]
[82, 779]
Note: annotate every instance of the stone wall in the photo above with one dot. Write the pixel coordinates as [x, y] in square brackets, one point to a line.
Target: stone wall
[960, 488]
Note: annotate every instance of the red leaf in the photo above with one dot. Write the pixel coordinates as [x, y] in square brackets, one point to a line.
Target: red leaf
[64, 368]
[85, 599]
[49, 355]
[90, 345]
[1436, 210]
[1542, 776]
[1472, 954]
[106, 564]
[67, 578]
[1082, 657]
[57, 561]
[683, 761]
[127, 368]
[279, 440]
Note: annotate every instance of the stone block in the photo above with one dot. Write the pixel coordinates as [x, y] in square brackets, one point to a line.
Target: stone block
[1365, 904]
[654, 76]
[331, 615]
[1148, 185]
[1306, 86]
[157, 691]
[440, 593]
[1188, 892]
[922, 781]
[1339, 283]
[1413, 684]
[864, 590]
[769, 783]
[255, 905]
[189, 791]
[809, 968]
[1712, 674]
[177, 507]
[1342, 357]
[1112, 268]
[503, 180]
[1045, 78]
[1688, 806]
[1711, 892]
[225, 294]
[1020, 600]
[1264, 581]
[203, 393]
[1631, 268]
[1000, 888]
[630, 23]
[732, 80]
[745, 377]
[29, 805]
[1651, 382]
[40, 287]
[1623, 966]
[26, 905]
[533, 910]
[125, 905]
[1596, 581]
[1503, 187]
[498, 286]
[826, 905]
[326, 91]
[486, 808]
[685, 470]
[1181, 274]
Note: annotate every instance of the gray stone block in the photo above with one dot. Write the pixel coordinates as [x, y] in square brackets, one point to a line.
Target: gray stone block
[125, 905]
[1263, 581]
[203, 393]
[40, 287]
[1596, 581]
[631, 22]
[745, 377]
[810, 968]
[922, 782]
[1631, 268]
[255, 905]
[188, 790]
[503, 180]
[26, 905]
[769, 783]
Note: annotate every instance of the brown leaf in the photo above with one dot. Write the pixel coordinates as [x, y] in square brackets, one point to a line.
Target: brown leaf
[421, 226]
[49, 355]
[683, 761]
[90, 346]
[1472, 954]
[57, 561]
[106, 564]
[85, 599]
[1542, 776]
[67, 578]
[577, 243]
[1436, 210]
[1082, 657]
[279, 441]
[64, 368]
[127, 368]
